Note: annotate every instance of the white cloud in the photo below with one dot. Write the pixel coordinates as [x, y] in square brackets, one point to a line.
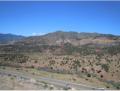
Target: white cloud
[36, 34]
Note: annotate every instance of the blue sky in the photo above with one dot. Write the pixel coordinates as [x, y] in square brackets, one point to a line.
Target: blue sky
[30, 18]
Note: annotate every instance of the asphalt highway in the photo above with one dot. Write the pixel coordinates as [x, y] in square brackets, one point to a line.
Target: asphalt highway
[54, 82]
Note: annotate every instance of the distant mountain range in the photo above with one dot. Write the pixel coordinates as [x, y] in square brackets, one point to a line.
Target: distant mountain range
[9, 38]
[59, 37]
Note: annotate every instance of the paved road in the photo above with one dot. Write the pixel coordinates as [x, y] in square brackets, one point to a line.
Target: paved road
[55, 82]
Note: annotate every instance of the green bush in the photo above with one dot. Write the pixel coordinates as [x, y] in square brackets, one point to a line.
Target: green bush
[88, 75]
[105, 67]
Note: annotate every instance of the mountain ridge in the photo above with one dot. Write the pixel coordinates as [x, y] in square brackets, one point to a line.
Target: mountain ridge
[9, 38]
[61, 37]
[74, 38]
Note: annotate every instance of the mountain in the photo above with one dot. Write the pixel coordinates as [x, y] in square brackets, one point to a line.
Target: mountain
[93, 57]
[74, 38]
[9, 38]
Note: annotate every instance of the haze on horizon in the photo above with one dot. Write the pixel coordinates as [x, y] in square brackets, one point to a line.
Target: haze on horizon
[31, 18]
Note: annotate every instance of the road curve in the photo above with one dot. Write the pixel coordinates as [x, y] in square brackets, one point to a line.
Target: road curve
[55, 82]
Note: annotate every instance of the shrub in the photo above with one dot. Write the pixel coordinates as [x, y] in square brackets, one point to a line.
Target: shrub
[88, 75]
[35, 61]
[101, 76]
[51, 62]
[116, 84]
[105, 67]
